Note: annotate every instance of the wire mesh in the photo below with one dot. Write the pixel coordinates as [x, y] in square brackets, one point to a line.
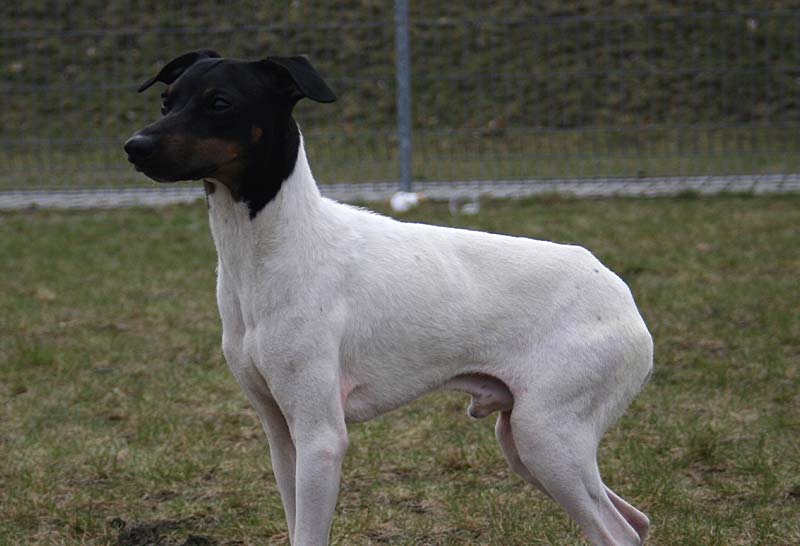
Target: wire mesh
[501, 91]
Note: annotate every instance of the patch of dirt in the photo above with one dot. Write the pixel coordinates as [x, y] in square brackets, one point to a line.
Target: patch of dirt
[153, 534]
[142, 535]
[199, 540]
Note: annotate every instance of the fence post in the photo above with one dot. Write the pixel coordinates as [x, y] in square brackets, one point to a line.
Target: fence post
[403, 68]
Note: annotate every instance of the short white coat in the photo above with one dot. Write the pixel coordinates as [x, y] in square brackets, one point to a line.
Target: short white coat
[334, 314]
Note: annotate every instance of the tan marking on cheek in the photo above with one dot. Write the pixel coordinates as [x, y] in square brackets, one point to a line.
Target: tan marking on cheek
[216, 150]
[229, 173]
[255, 134]
[223, 154]
[175, 146]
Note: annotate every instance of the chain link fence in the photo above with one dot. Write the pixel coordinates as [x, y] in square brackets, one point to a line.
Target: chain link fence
[502, 91]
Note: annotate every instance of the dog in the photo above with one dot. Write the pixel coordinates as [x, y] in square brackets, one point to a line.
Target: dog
[332, 314]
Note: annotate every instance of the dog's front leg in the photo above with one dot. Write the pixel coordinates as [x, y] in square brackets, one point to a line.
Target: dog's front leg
[281, 447]
[316, 419]
[319, 464]
[282, 456]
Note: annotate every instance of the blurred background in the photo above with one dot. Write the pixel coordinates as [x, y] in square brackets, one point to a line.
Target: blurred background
[501, 90]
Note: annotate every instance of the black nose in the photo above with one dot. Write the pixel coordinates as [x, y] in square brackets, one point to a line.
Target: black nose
[140, 147]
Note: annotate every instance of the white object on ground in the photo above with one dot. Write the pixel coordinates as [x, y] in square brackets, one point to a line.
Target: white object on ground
[465, 203]
[403, 201]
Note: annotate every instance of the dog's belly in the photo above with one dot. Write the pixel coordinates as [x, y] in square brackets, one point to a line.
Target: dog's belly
[364, 402]
[368, 395]
[489, 395]
[372, 383]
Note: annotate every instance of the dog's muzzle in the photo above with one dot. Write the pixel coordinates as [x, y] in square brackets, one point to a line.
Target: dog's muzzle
[140, 147]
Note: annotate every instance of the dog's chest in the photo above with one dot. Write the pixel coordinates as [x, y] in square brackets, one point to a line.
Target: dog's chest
[269, 287]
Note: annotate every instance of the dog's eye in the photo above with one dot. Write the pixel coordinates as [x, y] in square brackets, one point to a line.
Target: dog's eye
[220, 104]
[164, 104]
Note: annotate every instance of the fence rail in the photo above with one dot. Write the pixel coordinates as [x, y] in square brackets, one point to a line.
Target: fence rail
[501, 91]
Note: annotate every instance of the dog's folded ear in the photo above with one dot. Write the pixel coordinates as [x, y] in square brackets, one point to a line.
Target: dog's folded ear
[177, 66]
[299, 79]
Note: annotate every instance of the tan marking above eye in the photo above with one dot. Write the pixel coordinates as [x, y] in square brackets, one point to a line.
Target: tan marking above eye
[255, 134]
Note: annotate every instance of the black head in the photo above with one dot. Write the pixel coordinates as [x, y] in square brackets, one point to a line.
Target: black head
[227, 120]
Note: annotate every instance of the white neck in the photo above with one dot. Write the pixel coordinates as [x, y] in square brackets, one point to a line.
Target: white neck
[286, 220]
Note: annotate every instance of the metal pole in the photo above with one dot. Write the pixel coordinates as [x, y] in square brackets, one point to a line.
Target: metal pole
[403, 66]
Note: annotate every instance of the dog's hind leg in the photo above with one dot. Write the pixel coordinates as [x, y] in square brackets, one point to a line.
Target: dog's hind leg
[505, 438]
[560, 450]
[637, 520]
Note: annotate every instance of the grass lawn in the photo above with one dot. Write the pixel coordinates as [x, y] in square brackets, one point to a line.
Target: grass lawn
[120, 423]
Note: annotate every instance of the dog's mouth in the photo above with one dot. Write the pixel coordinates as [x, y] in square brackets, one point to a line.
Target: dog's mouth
[153, 172]
[165, 174]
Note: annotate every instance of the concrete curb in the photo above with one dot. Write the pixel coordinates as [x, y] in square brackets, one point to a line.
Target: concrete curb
[382, 191]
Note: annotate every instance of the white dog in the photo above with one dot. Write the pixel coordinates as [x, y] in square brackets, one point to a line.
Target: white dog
[332, 314]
